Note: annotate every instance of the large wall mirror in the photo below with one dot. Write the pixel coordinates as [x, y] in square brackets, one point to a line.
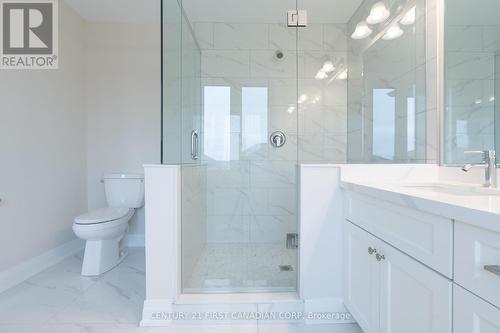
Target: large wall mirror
[387, 113]
[472, 79]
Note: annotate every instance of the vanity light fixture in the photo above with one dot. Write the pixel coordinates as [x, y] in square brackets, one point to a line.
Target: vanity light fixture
[410, 17]
[393, 32]
[328, 67]
[378, 14]
[362, 31]
[321, 75]
[303, 98]
[342, 75]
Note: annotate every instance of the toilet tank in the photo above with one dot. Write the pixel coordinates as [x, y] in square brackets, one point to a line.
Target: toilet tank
[124, 190]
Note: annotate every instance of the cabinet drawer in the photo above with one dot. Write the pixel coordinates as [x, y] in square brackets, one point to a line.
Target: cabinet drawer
[473, 315]
[425, 237]
[475, 249]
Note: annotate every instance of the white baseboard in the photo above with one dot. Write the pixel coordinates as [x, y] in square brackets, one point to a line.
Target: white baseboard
[135, 240]
[17, 274]
[327, 311]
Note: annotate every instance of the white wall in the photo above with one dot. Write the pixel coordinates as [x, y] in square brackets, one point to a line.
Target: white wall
[122, 103]
[61, 130]
[42, 150]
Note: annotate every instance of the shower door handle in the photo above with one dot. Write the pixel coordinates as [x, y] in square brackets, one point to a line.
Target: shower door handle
[194, 145]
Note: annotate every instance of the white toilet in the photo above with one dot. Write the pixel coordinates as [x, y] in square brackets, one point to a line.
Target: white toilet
[105, 229]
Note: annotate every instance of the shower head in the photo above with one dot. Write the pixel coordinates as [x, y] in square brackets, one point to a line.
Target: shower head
[279, 55]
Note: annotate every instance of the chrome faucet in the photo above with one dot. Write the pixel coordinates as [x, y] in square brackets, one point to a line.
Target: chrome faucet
[489, 162]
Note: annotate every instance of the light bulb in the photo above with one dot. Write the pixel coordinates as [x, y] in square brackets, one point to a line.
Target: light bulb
[410, 17]
[343, 75]
[328, 67]
[362, 31]
[394, 32]
[321, 75]
[378, 14]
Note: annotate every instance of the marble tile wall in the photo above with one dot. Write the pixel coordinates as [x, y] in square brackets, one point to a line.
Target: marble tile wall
[252, 193]
[470, 90]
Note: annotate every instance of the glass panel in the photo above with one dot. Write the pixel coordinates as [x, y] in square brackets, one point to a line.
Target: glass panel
[240, 203]
[496, 101]
[217, 123]
[171, 125]
[471, 45]
[322, 82]
[191, 95]
[384, 124]
[387, 111]
[254, 116]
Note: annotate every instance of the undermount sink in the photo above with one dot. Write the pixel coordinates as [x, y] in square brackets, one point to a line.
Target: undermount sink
[454, 188]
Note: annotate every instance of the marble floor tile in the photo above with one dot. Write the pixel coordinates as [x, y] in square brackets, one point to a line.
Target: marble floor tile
[30, 303]
[59, 300]
[301, 328]
[18, 328]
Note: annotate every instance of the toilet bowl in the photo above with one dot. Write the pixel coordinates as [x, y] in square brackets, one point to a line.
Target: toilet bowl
[105, 230]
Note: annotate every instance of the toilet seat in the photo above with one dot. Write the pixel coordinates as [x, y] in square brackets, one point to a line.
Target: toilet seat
[103, 215]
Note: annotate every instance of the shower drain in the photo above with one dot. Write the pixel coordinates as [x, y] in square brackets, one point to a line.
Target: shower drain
[286, 268]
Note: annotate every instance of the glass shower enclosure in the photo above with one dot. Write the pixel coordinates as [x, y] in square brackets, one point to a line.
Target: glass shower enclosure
[224, 97]
[249, 94]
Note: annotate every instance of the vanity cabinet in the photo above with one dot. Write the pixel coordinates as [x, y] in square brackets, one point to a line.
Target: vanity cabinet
[426, 237]
[477, 261]
[362, 279]
[389, 292]
[473, 315]
[408, 270]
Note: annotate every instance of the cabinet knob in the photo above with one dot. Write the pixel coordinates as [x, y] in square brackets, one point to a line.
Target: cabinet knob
[371, 250]
[380, 257]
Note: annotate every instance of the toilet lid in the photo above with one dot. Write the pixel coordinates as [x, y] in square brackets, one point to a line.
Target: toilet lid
[102, 215]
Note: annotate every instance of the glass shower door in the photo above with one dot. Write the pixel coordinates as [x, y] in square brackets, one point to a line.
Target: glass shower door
[239, 199]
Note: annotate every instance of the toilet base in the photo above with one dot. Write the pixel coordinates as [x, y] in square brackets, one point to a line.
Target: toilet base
[102, 255]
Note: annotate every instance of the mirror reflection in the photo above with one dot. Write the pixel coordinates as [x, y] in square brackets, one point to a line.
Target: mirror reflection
[472, 45]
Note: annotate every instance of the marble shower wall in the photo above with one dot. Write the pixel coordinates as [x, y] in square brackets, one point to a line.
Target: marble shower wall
[194, 216]
[469, 89]
[251, 186]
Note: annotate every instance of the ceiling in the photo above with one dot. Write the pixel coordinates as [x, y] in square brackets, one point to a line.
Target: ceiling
[230, 11]
[268, 11]
[117, 10]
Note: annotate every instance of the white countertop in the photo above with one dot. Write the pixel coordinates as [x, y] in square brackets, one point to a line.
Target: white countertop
[480, 210]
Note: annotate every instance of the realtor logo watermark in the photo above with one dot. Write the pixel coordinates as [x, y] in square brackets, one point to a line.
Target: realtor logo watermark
[28, 34]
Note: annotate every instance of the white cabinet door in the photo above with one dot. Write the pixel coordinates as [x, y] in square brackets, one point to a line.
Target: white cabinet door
[413, 298]
[473, 315]
[362, 278]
